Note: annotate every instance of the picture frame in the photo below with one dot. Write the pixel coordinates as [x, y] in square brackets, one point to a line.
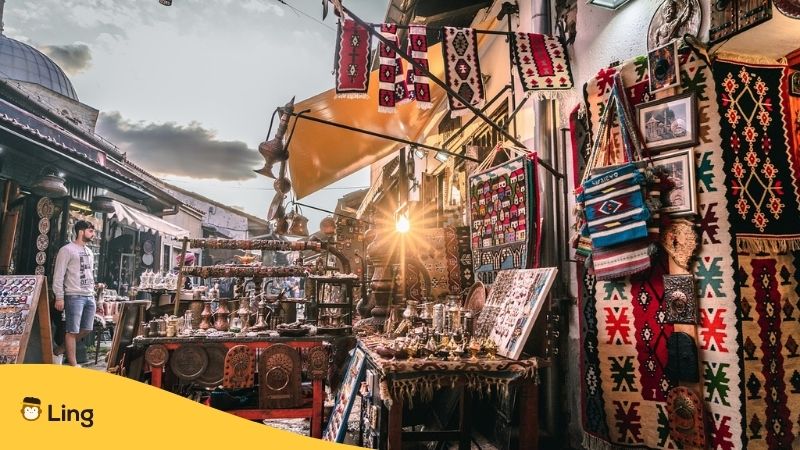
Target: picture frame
[794, 84]
[662, 67]
[669, 123]
[681, 199]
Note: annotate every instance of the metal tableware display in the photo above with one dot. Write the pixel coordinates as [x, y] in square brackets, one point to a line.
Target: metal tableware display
[45, 207]
[239, 371]
[188, 362]
[279, 377]
[213, 375]
[156, 355]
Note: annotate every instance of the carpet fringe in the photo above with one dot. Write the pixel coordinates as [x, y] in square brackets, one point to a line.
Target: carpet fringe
[749, 59]
[351, 96]
[767, 245]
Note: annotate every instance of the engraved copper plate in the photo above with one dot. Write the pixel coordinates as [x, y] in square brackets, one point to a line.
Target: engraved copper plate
[44, 225]
[42, 242]
[476, 297]
[213, 375]
[239, 368]
[45, 208]
[189, 362]
[156, 355]
[685, 412]
[41, 258]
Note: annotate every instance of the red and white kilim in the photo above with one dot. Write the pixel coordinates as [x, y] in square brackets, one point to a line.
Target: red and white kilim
[392, 86]
[542, 63]
[418, 83]
[462, 69]
[352, 60]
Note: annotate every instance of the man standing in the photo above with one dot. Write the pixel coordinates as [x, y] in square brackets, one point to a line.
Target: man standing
[73, 285]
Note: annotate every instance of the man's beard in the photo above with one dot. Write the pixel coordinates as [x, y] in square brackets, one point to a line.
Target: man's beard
[86, 240]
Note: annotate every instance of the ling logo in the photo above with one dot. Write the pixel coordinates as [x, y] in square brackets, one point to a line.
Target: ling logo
[32, 410]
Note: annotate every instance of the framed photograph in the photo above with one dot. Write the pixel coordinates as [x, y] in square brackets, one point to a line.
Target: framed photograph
[795, 84]
[669, 123]
[681, 199]
[662, 66]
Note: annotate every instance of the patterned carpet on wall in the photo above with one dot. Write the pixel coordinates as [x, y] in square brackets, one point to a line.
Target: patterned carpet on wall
[437, 249]
[760, 168]
[763, 197]
[622, 322]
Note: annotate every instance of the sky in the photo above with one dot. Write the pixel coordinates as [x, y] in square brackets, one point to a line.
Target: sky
[187, 91]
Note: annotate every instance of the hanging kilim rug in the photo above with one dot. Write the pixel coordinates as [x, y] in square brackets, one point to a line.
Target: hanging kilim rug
[352, 60]
[504, 217]
[418, 83]
[623, 328]
[392, 86]
[437, 249]
[771, 338]
[542, 63]
[462, 69]
[762, 190]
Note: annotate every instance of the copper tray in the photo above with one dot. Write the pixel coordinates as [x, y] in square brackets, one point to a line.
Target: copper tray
[188, 362]
[215, 371]
[476, 297]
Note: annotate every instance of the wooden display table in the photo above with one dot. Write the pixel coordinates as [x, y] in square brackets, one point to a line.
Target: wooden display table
[404, 380]
[311, 410]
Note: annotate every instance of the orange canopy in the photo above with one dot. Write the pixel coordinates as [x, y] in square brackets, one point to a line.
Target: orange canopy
[320, 154]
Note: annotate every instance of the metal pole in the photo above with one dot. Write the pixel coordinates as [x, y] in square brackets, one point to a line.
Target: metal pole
[474, 118]
[507, 10]
[382, 136]
[179, 287]
[432, 77]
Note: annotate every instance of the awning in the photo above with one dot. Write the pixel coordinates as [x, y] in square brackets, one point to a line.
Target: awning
[320, 154]
[143, 221]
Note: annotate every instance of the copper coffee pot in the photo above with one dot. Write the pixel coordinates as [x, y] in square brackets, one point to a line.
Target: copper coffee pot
[299, 224]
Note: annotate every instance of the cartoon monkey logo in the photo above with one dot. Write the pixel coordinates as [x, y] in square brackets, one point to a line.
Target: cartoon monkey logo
[31, 408]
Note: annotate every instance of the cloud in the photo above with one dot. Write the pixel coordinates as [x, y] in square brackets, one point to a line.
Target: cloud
[73, 58]
[180, 150]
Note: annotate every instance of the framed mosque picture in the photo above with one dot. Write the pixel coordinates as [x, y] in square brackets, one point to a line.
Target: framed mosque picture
[669, 123]
[681, 197]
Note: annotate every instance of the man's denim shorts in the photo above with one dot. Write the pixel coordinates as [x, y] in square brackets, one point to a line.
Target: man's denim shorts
[79, 311]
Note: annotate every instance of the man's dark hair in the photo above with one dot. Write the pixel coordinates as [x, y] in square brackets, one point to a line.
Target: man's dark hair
[82, 225]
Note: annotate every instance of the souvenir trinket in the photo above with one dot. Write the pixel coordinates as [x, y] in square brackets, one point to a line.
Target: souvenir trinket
[679, 240]
[279, 377]
[682, 364]
[679, 296]
[239, 368]
[317, 363]
[685, 412]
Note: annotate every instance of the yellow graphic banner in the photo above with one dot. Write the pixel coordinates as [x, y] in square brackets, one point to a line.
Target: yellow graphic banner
[60, 407]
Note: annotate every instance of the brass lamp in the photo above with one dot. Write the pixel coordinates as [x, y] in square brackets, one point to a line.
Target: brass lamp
[102, 203]
[50, 184]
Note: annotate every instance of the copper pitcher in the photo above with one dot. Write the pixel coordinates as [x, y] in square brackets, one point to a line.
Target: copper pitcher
[299, 225]
[221, 316]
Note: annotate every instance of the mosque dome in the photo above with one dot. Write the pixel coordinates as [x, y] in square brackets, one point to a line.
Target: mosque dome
[21, 62]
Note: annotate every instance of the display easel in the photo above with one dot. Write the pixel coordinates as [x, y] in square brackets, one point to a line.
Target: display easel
[25, 298]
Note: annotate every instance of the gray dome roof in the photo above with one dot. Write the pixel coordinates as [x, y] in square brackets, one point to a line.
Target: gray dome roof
[22, 62]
